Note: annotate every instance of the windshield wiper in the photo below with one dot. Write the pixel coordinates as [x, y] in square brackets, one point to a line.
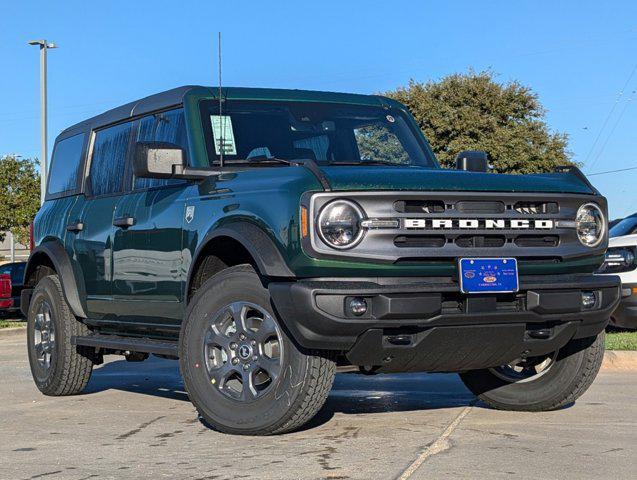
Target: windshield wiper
[264, 159]
[368, 162]
[308, 163]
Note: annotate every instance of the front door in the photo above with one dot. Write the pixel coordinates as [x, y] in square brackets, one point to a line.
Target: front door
[147, 257]
[148, 275]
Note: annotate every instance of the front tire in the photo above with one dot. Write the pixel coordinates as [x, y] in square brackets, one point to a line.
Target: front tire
[58, 368]
[536, 385]
[241, 370]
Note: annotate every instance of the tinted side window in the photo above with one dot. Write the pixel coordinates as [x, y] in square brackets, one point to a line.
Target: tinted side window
[66, 164]
[167, 127]
[109, 159]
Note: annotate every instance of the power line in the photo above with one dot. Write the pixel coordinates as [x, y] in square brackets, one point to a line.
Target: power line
[611, 171]
[612, 130]
[610, 113]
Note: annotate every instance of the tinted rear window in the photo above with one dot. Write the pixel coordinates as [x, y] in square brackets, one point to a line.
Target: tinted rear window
[65, 169]
[109, 159]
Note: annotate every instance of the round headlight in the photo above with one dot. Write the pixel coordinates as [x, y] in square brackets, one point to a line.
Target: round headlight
[591, 224]
[339, 224]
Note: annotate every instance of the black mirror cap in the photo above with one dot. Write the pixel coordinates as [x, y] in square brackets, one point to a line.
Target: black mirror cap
[157, 159]
[472, 161]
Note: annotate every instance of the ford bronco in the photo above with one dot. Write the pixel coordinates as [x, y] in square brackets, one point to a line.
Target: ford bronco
[265, 238]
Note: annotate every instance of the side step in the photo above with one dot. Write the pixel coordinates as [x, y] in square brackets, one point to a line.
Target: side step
[131, 344]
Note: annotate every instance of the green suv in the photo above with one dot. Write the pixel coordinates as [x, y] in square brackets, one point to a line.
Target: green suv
[266, 238]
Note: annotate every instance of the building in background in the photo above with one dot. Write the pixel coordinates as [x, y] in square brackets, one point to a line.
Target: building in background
[21, 251]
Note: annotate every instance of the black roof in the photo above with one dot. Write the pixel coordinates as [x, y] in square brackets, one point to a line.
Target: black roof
[138, 107]
[175, 96]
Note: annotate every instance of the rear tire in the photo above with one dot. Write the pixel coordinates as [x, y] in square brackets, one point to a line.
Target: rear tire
[58, 368]
[241, 370]
[573, 369]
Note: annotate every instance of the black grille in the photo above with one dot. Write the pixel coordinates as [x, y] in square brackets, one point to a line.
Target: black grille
[419, 241]
[531, 208]
[537, 241]
[480, 207]
[419, 206]
[480, 241]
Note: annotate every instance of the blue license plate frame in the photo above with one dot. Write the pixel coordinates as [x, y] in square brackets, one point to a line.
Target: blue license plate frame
[488, 275]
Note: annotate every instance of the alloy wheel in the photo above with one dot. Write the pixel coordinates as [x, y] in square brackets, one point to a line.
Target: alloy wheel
[243, 351]
[525, 370]
[44, 335]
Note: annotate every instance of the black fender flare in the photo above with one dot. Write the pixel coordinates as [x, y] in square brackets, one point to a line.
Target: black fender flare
[58, 256]
[260, 246]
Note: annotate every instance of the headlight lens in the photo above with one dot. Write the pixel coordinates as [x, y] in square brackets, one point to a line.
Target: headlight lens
[591, 225]
[618, 259]
[339, 224]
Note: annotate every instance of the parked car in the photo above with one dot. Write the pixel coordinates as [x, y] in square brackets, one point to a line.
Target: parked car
[620, 260]
[16, 272]
[5, 292]
[267, 237]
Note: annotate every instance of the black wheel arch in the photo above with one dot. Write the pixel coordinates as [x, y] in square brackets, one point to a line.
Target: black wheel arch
[259, 245]
[52, 253]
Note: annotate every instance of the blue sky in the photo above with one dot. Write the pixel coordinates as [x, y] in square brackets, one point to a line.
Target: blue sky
[577, 55]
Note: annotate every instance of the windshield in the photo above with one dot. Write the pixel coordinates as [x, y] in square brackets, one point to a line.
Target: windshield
[259, 132]
[627, 226]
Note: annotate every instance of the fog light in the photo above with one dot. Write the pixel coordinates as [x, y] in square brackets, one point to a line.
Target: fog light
[357, 306]
[589, 299]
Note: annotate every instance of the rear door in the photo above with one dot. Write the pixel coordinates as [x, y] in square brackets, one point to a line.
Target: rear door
[93, 216]
[148, 261]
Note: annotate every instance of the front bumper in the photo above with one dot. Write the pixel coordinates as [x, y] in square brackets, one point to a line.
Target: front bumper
[428, 325]
[626, 314]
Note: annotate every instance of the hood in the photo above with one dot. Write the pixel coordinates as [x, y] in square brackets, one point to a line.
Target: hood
[419, 178]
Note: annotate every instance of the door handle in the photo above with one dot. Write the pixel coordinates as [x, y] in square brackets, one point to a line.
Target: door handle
[75, 227]
[124, 222]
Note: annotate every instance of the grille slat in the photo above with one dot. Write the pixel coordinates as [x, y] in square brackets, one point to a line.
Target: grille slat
[420, 241]
[480, 207]
[537, 241]
[480, 241]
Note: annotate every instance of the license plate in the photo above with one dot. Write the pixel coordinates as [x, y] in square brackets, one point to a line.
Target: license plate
[488, 275]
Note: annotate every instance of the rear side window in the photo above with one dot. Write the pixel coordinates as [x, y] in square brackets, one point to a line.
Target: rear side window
[66, 164]
[169, 127]
[109, 159]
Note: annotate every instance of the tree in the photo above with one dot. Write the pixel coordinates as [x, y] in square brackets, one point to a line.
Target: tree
[474, 112]
[19, 196]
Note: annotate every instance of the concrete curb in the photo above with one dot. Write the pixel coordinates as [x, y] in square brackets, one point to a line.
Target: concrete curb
[12, 331]
[614, 360]
[619, 360]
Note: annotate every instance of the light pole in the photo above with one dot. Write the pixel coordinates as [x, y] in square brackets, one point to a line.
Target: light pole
[44, 46]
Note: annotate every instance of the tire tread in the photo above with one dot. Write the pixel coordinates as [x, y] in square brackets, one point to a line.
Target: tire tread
[73, 370]
[314, 389]
[591, 361]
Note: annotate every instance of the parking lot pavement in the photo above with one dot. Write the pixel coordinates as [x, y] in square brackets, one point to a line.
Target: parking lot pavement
[136, 422]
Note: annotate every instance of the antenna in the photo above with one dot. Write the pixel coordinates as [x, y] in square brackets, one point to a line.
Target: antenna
[221, 125]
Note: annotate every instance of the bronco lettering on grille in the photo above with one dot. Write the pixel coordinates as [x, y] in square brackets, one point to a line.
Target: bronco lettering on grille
[478, 224]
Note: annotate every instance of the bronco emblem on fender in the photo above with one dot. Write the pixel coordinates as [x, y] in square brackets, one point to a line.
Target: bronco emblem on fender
[190, 213]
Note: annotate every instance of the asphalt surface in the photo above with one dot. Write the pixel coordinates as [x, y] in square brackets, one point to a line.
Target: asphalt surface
[135, 421]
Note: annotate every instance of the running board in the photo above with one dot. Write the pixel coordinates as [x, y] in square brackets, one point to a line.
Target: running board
[130, 344]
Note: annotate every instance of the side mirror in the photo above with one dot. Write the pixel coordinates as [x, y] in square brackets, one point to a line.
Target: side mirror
[157, 160]
[472, 161]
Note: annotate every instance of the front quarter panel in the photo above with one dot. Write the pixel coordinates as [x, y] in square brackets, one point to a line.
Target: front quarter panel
[267, 198]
